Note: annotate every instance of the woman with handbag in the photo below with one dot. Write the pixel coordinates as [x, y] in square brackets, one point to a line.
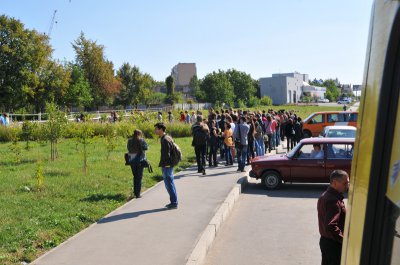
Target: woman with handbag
[136, 151]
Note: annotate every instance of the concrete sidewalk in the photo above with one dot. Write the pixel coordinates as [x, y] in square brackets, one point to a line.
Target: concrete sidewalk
[143, 232]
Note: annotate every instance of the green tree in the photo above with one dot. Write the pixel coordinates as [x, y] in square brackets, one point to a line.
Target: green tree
[85, 135]
[78, 92]
[54, 82]
[243, 86]
[23, 56]
[170, 83]
[54, 127]
[98, 70]
[194, 85]
[256, 84]
[146, 83]
[136, 87]
[266, 101]
[172, 97]
[332, 91]
[217, 88]
[156, 98]
[253, 102]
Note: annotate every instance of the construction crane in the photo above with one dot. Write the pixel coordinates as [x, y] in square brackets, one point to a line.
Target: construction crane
[53, 20]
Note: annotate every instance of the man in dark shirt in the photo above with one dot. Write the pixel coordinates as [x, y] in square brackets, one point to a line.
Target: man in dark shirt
[331, 216]
[200, 133]
[166, 164]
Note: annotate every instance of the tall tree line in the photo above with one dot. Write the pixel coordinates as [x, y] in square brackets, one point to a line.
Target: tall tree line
[30, 77]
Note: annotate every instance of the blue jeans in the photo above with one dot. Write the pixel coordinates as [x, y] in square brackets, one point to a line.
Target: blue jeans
[228, 155]
[168, 176]
[278, 137]
[273, 141]
[242, 156]
[260, 147]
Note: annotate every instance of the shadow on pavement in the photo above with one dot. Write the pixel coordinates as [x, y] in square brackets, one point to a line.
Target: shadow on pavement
[124, 216]
[311, 191]
[101, 197]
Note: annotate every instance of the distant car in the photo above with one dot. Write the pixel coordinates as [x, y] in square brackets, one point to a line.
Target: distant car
[344, 101]
[339, 131]
[300, 165]
[323, 100]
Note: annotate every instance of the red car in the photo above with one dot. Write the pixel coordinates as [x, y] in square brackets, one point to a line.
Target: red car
[311, 161]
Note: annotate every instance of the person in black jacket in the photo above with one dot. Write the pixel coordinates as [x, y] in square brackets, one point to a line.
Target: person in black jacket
[290, 134]
[213, 144]
[136, 149]
[166, 164]
[200, 133]
[298, 129]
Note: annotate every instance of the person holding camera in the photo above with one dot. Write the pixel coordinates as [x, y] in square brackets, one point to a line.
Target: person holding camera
[136, 150]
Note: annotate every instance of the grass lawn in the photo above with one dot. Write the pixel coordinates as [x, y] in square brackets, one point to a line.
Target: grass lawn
[33, 221]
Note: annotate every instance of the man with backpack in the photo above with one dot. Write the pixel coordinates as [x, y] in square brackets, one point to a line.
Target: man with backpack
[200, 132]
[170, 156]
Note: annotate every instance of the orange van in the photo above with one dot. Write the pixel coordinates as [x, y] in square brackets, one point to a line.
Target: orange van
[316, 122]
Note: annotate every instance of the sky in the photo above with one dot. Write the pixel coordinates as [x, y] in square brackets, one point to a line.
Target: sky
[324, 39]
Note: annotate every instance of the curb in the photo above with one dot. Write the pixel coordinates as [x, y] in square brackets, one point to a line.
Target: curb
[203, 245]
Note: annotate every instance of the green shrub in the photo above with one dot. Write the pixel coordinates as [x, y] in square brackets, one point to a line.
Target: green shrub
[266, 101]
[6, 133]
[124, 129]
[253, 102]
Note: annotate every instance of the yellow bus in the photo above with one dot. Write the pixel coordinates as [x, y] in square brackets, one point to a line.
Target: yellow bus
[372, 221]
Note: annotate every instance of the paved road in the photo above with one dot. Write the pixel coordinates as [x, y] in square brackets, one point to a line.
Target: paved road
[270, 227]
[334, 104]
[144, 232]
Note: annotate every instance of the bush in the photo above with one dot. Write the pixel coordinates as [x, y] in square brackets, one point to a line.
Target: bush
[124, 129]
[253, 102]
[240, 104]
[266, 101]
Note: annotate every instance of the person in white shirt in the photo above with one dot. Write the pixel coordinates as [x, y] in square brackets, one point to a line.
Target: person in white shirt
[317, 153]
[193, 118]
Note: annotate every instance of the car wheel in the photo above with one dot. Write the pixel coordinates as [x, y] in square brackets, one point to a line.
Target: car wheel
[306, 134]
[271, 180]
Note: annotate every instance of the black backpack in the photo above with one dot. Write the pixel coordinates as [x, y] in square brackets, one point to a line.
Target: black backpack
[200, 137]
[176, 154]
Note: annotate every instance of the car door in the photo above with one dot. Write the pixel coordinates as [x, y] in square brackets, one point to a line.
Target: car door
[316, 124]
[306, 168]
[338, 156]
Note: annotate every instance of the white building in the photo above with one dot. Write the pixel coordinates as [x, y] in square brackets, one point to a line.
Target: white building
[288, 88]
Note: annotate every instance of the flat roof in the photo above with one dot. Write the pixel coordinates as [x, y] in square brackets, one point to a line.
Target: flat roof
[321, 140]
[341, 127]
[332, 111]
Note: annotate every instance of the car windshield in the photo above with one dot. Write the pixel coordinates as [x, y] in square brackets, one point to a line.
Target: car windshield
[308, 118]
[342, 133]
[293, 151]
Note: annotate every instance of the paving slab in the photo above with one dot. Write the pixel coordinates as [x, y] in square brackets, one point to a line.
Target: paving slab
[143, 232]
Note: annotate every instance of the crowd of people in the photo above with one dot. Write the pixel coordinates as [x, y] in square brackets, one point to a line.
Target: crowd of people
[238, 136]
[241, 135]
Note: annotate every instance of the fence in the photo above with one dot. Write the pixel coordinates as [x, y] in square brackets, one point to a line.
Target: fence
[96, 115]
